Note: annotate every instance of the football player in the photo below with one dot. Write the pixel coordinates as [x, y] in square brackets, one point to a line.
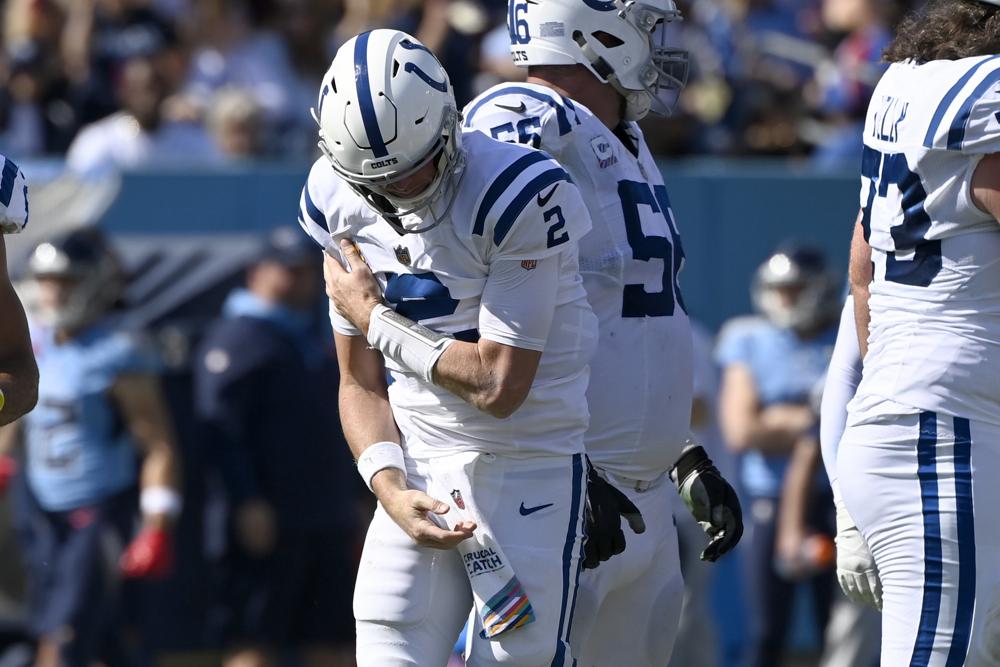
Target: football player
[99, 407]
[918, 462]
[594, 69]
[463, 285]
[18, 372]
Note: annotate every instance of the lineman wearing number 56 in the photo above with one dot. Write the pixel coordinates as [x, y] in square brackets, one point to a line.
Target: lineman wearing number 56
[463, 284]
[919, 460]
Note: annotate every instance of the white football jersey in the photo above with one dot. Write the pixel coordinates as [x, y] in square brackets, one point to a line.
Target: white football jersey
[513, 204]
[934, 340]
[640, 398]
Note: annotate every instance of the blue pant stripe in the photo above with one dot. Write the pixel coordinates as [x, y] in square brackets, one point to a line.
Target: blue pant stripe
[571, 533]
[966, 545]
[933, 565]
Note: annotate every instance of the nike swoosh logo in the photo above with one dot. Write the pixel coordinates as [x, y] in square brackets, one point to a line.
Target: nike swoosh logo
[520, 108]
[525, 511]
[542, 201]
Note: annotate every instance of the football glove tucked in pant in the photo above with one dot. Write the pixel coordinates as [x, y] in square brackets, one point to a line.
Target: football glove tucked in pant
[856, 569]
[604, 510]
[711, 499]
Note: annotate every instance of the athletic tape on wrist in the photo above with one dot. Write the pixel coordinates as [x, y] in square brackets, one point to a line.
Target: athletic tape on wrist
[160, 500]
[378, 457]
[407, 343]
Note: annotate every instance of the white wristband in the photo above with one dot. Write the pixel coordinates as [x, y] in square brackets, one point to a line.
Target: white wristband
[378, 457]
[407, 343]
[160, 500]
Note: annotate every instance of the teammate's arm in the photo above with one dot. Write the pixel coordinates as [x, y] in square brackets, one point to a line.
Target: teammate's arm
[494, 377]
[860, 274]
[141, 404]
[18, 372]
[366, 418]
[771, 430]
[986, 185]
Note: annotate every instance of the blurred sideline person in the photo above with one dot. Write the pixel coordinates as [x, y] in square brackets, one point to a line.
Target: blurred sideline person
[99, 409]
[594, 70]
[771, 364]
[464, 285]
[918, 463]
[266, 391]
[852, 635]
[18, 371]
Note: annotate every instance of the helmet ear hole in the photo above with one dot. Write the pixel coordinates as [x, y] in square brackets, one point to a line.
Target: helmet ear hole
[395, 67]
[606, 39]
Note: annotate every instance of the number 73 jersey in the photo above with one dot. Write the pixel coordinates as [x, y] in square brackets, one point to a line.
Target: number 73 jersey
[934, 340]
[641, 388]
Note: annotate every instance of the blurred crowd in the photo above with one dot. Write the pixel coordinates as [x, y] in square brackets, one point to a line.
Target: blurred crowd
[125, 83]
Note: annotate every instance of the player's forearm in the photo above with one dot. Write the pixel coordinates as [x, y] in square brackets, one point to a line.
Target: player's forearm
[797, 485]
[19, 385]
[772, 430]
[366, 417]
[484, 378]
[160, 473]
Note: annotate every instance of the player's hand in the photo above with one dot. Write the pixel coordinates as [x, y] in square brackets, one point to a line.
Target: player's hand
[711, 499]
[356, 292]
[149, 556]
[605, 508]
[412, 511]
[8, 468]
[856, 568]
[256, 527]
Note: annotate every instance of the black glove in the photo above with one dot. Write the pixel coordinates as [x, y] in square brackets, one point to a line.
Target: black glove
[605, 507]
[711, 499]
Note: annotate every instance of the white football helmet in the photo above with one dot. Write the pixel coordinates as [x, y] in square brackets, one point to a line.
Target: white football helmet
[13, 198]
[622, 42]
[386, 109]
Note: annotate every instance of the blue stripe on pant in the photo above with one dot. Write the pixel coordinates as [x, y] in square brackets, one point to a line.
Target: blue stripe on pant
[966, 544]
[928, 474]
[569, 596]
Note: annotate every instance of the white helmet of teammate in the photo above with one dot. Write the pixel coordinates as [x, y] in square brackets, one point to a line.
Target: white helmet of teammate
[622, 42]
[794, 289]
[386, 109]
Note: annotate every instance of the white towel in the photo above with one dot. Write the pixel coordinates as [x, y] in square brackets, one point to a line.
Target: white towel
[500, 600]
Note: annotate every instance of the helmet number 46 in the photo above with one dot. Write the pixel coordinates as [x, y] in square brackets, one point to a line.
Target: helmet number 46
[516, 24]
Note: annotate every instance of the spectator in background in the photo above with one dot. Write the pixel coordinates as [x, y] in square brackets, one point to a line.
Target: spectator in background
[238, 46]
[770, 366]
[99, 406]
[266, 390]
[236, 123]
[138, 135]
[844, 84]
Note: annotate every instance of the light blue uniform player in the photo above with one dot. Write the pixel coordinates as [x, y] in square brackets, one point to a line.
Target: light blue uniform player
[78, 450]
[99, 407]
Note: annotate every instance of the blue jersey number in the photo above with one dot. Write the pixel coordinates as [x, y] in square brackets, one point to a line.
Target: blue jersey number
[526, 131]
[422, 296]
[637, 302]
[892, 169]
[516, 24]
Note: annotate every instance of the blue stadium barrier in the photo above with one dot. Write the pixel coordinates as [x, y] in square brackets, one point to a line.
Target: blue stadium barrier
[731, 214]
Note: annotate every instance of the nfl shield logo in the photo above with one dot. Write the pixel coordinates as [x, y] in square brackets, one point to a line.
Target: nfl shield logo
[403, 255]
[456, 495]
[529, 264]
